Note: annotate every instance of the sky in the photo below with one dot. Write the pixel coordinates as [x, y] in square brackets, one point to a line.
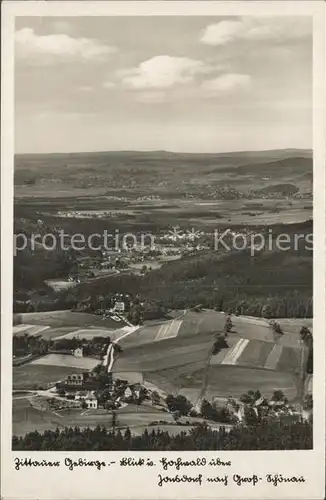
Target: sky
[188, 84]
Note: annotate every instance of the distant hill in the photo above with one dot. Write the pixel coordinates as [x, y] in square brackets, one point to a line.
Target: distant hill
[24, 160]
[162, 173]
[279, 189]
[296, 165]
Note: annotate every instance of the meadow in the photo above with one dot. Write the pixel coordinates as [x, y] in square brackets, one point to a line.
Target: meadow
[256, 358]
[64, 319]
[27, 418]
[32, 376]
[66, 361]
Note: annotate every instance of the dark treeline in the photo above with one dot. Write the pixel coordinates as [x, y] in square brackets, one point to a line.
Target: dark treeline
[236, 281]
[35, 344]
[267, 436]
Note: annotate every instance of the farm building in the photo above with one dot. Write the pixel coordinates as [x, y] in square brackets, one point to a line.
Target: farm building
[78, 353]
[80, 395]
[128, 393]
[119, 306]
[74, 379]
[91, 400]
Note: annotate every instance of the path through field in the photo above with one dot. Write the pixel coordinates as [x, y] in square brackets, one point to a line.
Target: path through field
[109, 357]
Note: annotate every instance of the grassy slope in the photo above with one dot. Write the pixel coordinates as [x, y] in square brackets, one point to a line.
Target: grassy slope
[178, 364]
[30, 376]
[65, 319]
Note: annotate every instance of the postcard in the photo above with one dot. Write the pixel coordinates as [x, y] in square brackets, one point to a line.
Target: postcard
[163, 250]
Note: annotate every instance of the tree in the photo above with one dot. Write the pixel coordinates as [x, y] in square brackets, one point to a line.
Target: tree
[109, 405]
[206, 409]
[250, 397]
[251, 416]
[104, 395]
[155, 398]
[219, 344]
[176, 416]
[224, 415]
[266, 311]
[267, 435]
[279, 396]
[117, 348]
[143, 269]
[114, 419]
[276, 327]
[306, 335]
[231, 402]
[98, 369]
[142, 396]
[307, 339]
[61, 392]
[84, 405]
[228, 324]
[308, 402]
[179, 403]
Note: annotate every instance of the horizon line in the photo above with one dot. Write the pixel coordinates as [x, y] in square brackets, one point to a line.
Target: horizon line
[166, 151]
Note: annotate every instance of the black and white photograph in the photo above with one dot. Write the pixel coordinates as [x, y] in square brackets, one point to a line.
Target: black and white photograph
[163, 262]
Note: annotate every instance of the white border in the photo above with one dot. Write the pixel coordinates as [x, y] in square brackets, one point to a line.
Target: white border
[119, 483]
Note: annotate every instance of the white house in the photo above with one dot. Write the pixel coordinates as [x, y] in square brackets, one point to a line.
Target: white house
[136, 393]
[119, 306]
[74, 379]
[78, 353]
[91, 400]
[128, 392]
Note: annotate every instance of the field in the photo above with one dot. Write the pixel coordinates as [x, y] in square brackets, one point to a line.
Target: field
[188, 379]
[258, 328]
[66, 361]
[26, 418]
[167, 353]
[58, 319]
[234, 381]
[67, 324]
[59, 285]
[29, 329]
[187, 325]
[30, 376]
[90, 333]
[255, 357]
[260, 354]
[131, 377]
[154, 332]
[200, 323]
[171, 357]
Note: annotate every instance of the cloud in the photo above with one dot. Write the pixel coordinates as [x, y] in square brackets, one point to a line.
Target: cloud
[60, 116]
[162, 72]
[229, 82]
[109, 85]
[150, 97]
[85, 88]
[46, 49]
[256, 29]
[62, 26]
